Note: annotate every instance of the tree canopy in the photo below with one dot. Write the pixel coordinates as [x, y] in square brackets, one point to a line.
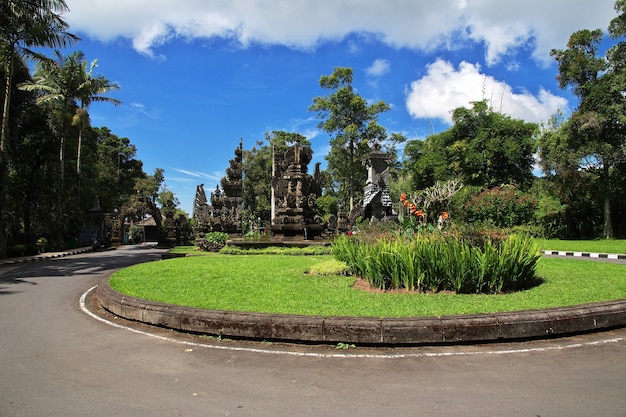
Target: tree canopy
[352, 125]
[594, 139]
[483, 148]
[24, 25]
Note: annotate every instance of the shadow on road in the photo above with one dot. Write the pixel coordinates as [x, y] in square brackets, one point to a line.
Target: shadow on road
[76, 265]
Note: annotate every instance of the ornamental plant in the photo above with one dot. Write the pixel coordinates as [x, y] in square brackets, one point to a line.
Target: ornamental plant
[414, 218]
[435, 262]
[426, 210]
[212, 242]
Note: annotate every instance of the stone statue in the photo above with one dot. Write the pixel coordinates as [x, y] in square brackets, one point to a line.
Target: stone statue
[377, 204]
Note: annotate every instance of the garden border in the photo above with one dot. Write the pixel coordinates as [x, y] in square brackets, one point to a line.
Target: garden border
[613, 256]
[474, 328]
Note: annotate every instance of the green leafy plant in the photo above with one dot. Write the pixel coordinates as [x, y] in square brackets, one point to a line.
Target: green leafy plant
[217, 237]
[503, 206]
[442, 263]
[212, 241]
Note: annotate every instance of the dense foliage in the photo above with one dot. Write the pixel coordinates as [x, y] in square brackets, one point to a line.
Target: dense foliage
[483, 148]
[352, 124]
[45, 124]
[438, 262]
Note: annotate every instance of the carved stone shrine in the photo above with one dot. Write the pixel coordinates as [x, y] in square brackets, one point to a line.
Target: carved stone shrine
[295, 194]
[224, 212]
[377, 204]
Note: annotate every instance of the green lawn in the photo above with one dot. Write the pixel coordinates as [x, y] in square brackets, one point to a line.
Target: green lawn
[617, 246]
[279, 284]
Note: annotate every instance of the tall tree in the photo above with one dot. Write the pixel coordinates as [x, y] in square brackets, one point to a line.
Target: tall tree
[597, 129]
[568, 179]
[92, 89]
[112, 166]
[24, 24]
[31, 192]
[59, 83]
[352, 125]
[483, 148]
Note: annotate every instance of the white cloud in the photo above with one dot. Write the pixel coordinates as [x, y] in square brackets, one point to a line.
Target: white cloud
[417, 24]
[196, 174]
[444, 88]
[378, 68]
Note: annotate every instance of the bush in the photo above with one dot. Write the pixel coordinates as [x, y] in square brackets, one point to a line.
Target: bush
[219, 238]
[212, 241]
[136, 233]
[504, 206]
[550, 216]
[436, 262]
[204, 245]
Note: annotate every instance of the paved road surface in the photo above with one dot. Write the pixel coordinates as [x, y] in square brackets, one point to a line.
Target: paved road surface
[56, 360]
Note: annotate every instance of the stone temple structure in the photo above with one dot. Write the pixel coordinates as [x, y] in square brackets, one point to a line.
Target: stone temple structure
[377, 204]
[225, 211]
[295, 194]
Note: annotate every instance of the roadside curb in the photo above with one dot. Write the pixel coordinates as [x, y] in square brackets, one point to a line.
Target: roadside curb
[476, 328]
[584, 254]
[43, 257]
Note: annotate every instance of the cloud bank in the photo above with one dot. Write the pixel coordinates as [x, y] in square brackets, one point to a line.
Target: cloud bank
[444, 88]
[417, 24]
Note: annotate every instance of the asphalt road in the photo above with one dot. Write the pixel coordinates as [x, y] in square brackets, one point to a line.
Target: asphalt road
[58, 358]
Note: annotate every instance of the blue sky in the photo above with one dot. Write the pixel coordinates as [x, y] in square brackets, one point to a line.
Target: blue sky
[197, 76]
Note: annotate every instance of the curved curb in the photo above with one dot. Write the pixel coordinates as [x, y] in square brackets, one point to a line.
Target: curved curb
[613, 256]
[473, 328]
[44, 256]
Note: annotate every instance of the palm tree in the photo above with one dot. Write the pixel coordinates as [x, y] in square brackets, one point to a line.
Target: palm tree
[24, 24]
[58, 82]
[92, 89]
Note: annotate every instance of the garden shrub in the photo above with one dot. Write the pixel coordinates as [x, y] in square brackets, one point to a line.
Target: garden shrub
[550, 216]
[212, 241]
[437, 262]
[504, 206]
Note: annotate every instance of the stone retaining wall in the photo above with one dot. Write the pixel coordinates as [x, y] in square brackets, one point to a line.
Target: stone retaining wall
[369, 330]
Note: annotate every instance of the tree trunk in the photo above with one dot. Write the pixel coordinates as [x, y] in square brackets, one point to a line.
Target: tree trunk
[78, 154]
[351, 182]
[608, 222]
[4, 134]
[3, 210]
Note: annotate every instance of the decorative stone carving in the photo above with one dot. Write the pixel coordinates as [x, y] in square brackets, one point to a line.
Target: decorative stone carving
[224, 213]
[295, 193]
[377, 204]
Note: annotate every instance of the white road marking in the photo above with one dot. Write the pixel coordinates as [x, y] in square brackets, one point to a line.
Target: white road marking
[344, 355]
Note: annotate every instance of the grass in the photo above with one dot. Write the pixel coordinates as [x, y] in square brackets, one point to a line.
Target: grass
[279, 284]
[598, 246]
[186, 249]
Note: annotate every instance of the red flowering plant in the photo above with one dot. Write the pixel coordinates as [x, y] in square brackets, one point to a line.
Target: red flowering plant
[413, 215]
